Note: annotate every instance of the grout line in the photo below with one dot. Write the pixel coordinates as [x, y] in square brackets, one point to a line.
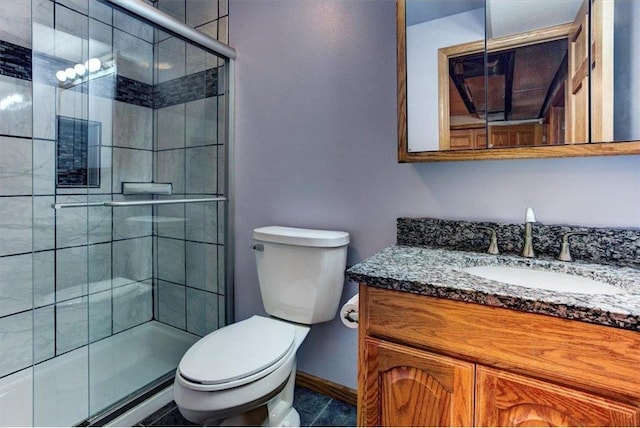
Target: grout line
[320, 412]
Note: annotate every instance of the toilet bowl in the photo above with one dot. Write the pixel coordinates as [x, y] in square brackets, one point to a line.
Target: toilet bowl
[244, 373]
[237, 368]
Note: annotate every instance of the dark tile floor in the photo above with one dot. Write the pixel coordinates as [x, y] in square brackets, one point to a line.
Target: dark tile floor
[315, 410]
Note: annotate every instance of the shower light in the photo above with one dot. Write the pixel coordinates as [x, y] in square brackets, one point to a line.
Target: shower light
[93, 65]
[61, 75]
[79, 73]
[80, 69]
[70, 73]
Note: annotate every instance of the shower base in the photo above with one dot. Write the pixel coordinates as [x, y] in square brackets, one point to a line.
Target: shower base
[68, 389]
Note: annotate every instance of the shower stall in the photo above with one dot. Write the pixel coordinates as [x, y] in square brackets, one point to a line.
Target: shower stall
[114, 209]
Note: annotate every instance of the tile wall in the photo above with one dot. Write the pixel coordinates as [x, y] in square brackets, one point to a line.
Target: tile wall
[190, 153]
[77, 275]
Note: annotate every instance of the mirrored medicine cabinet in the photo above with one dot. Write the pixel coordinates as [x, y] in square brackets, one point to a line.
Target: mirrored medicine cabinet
[505, 79]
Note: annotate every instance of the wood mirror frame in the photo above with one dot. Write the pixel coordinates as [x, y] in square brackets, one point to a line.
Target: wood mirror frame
[565, 150]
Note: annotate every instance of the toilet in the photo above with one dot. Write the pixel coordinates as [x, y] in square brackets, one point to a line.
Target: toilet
[244, 373]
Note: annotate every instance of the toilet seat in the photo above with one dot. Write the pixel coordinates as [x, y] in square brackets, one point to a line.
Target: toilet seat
[237, 354]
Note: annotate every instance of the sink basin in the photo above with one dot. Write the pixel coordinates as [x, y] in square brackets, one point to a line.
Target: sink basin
[545, 280]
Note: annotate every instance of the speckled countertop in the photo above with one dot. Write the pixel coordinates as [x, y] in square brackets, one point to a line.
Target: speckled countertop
[437, 272]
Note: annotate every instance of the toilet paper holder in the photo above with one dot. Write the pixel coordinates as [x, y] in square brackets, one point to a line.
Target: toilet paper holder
[352, 316]
[349, 312]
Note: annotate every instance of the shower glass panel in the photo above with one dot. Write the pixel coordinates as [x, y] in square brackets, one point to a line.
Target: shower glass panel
[121, 290]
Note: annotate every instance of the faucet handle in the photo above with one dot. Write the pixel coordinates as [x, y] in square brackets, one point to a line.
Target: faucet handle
[565, 254]
[493, 246]
[530, 216]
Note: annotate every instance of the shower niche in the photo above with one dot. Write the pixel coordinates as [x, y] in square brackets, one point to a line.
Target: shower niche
[78, 152]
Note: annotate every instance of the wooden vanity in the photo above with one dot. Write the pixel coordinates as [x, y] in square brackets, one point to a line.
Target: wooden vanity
[431, 361]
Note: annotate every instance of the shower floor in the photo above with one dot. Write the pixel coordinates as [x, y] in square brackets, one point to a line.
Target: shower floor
[70, 388]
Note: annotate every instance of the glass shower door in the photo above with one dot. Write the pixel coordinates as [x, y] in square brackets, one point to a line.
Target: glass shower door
[136, 276]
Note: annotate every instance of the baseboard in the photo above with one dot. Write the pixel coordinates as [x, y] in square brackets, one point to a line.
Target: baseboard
[326, 387]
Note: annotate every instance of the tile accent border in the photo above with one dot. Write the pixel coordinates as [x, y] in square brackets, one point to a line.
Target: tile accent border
[19, 62]
[193, 87]
[15, 61]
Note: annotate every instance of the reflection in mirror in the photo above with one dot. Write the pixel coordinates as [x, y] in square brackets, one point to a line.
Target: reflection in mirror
[539, 85]
[558, 69]
[552, 80]
[588, 85]
[432, 25]
[524, 103]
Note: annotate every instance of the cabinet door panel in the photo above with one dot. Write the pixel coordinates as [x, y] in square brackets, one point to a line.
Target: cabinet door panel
[481, 139]
[499, 138]
[409, 387]
[505, 399]
[461, 139]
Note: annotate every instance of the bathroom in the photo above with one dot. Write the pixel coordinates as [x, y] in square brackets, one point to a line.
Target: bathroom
[315, 145]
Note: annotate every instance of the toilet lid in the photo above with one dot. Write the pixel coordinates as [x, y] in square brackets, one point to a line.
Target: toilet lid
[237, 351]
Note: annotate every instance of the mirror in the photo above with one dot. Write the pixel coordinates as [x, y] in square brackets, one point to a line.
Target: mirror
[526, 89]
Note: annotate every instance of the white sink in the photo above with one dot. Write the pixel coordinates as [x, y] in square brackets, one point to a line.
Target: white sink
[545, 280]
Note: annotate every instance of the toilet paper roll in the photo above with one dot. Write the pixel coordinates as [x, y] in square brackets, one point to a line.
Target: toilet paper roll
[349, 312]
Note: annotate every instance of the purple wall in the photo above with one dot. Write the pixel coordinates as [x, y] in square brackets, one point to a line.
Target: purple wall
[316, 147]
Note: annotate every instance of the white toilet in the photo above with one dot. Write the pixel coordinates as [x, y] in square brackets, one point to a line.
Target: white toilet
[244, 373]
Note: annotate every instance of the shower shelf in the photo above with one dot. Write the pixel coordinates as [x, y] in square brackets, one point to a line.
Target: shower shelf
[137, 203]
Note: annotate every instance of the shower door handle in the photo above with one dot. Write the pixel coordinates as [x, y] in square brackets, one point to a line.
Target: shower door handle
[137, 203]
[162, 202]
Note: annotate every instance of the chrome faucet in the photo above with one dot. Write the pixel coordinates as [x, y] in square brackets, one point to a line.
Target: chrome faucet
[565, 254]
[529, 219]
[493, 245]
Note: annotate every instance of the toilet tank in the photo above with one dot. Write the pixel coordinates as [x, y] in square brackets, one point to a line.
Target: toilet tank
[301, 272]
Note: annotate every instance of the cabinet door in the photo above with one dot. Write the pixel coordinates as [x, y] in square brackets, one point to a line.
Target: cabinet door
[524, 136]
[506, 399]
[409, 387]
[577, 103]
[461, 139]
[481, 139]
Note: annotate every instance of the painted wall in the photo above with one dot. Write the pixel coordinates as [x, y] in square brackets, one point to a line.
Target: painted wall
[316, 147]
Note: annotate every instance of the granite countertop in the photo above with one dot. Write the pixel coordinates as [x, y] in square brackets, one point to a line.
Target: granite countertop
[437, 272]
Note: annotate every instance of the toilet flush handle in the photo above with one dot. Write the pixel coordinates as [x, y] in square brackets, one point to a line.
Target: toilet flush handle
[258, 247]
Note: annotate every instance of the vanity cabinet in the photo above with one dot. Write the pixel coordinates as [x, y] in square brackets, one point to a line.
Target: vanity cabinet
[427, 361]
